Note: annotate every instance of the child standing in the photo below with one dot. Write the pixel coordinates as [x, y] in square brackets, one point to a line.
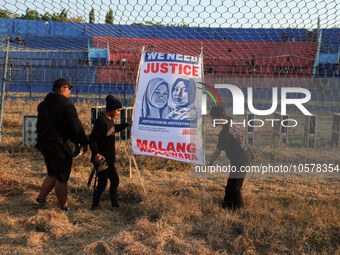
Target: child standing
[102, 145]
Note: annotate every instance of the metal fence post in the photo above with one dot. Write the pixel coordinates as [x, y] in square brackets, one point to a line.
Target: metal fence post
[77, 84]
[30, 78]
[3, 87]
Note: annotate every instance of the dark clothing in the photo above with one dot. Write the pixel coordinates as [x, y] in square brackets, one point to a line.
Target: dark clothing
[63, 117]
[234, 143]
[58, 111]
[112, 175]
[102, 141]
[57, 164]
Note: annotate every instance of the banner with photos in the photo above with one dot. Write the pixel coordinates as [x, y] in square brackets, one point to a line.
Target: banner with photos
[167, 119]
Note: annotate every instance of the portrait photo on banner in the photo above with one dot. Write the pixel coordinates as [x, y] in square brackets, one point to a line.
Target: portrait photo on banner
[174, 102]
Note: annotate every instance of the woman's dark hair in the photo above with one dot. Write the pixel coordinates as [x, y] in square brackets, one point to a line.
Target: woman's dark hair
[217, 112]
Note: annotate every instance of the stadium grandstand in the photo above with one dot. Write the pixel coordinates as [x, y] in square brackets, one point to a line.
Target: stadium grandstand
[104, 58]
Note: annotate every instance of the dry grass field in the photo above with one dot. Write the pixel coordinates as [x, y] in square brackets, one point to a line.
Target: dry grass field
[281, 216]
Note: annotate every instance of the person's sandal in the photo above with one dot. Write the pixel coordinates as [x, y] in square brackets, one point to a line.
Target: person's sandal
[66, 209]
[40, 203]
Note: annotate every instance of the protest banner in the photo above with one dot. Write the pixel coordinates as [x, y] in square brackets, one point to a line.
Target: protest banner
[167, 118]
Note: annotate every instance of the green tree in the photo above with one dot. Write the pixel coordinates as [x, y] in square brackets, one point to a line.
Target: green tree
[7, 14]
[91, 16]
[150, 23]
[46, 16]
[31, 14]
[34, 15]
[62, 16]
[77, 19]
[109, 17]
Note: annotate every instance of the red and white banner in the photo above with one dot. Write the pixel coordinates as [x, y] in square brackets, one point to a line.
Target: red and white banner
[167, 119]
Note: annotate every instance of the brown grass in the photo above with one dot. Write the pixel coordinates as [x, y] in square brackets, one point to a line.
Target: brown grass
[281, 215]
[295, 216]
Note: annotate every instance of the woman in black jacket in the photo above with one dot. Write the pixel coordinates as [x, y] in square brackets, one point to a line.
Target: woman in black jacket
[102, 145]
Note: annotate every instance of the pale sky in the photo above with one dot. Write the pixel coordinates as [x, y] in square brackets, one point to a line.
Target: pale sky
[216, 13]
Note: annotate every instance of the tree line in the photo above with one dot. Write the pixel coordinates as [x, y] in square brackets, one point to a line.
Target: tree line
[62, 16]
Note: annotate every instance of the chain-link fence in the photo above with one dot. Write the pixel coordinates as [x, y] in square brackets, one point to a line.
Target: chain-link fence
[261, 44]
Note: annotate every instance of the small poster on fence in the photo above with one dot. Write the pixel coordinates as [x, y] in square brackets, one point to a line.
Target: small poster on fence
[167, 119]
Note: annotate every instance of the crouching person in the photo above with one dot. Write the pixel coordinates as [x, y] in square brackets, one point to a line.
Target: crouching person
[102, 145]
[234, 143]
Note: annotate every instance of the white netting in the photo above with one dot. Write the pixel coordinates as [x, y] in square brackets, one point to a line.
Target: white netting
[260, 44]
